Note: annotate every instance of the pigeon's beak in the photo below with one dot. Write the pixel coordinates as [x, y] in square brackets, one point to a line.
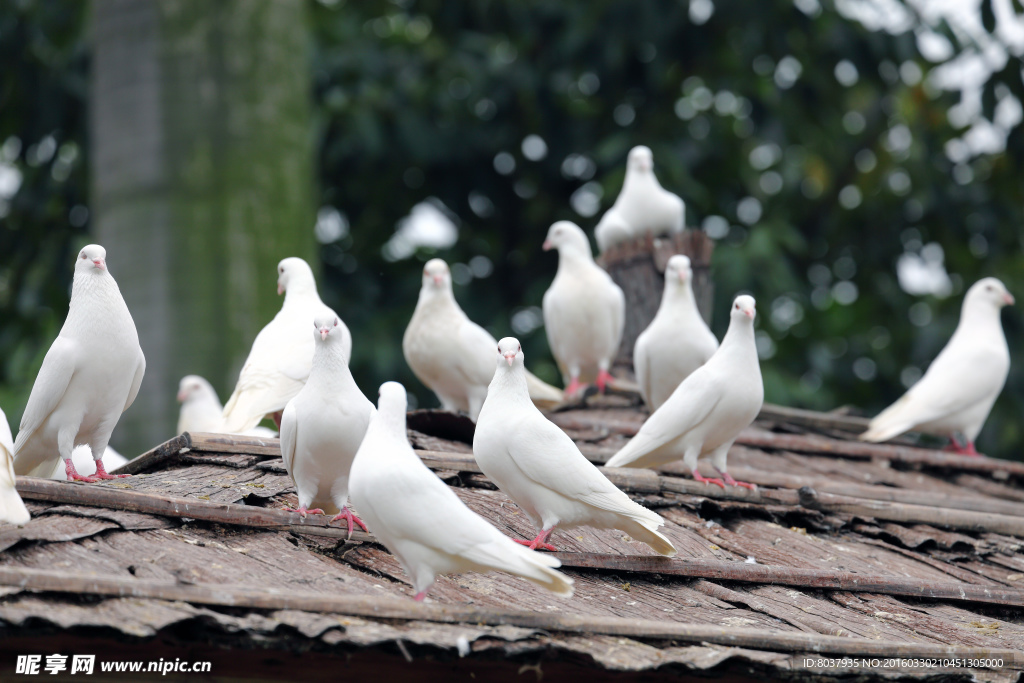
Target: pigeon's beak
[324, 331]
[280, 289]
[438, 279]
[99, 263]
[682, 276]
[548, 246]
[510, 357]
[1008, 298]
[182, 395]
[749, 312]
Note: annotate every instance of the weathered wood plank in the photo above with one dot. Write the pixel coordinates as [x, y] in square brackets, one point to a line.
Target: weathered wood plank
[387, 607]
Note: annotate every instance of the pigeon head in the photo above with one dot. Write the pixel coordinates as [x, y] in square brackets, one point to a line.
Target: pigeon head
[510, 351]
[987, 293]
[294, 274]
[678, 269]
[192, 386]
[436, 275]
[744, 308]
[92, 257]
[327, 325]
[567, 237]
[392, 399]
[640, 160]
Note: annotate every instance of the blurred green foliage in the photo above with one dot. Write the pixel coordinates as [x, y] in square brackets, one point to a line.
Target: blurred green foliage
[814, 148]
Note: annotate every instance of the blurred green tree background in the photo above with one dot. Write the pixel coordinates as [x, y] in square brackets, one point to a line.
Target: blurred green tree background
[826, 147]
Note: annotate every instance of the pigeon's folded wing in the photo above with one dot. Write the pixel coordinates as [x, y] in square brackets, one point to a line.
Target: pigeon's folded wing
[51, 383]
[549, 458]
[641, 366]
[689, 405]
[289, 434]
[476, 357]
[140, 370]
[617, 307]
[955, 381]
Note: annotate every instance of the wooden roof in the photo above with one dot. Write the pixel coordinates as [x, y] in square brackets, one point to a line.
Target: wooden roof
[845, 549]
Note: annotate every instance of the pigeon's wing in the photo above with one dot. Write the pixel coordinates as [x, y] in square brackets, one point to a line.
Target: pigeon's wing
[549, 458]
[641, 366]
[275, 371]
[689, 405]
[51, 383]
[451, 527]
[140, 370]
[958, 378]
[478, 353]
[12, 509]
[553, 309]
[617, 307]
[289, 434]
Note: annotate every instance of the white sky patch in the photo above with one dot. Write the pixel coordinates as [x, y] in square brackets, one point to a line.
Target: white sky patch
[429, 224]
[924, 272]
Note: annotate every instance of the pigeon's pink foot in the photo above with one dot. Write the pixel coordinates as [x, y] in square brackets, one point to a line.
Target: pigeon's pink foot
[303, 511]
[603, 378]
[346, 514]
[955, 447]
[73, 475]
[732, 482]
[276, 417]
[538, 543]
[574, 387]
[101, 472]
[708, 480]
[419, 597]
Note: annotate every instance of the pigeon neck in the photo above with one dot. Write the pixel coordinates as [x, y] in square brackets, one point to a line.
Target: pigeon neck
[639, 181]
[571, 258]
[300, 289]
[510, 382]
[739, 335]
[329, 360]
[979, 318]
[431, 296]
[677, 297]
[89, 291]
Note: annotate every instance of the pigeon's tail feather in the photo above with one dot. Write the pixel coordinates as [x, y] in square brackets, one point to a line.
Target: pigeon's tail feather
[12, 509]
[528, 564]
[541, 393]
[891, 422]
[646, 534]
[629, 456]
[241, 414]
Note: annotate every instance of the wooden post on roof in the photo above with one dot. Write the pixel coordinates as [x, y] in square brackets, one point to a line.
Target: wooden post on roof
[638, 267]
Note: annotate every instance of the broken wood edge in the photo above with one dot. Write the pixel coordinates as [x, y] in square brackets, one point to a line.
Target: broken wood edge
[389, 607]
[250, 516]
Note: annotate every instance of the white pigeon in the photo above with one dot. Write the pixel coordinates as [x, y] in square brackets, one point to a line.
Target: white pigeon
[90, 375]
[12, 509]
[677, 341]
[201, 410]
[957, 392]
[282, 353]
[642, 206]
[450, 353]
[421, 521]
[84, 464]
[322, 427]
[584, 311]
[705, 413]
[539, 467]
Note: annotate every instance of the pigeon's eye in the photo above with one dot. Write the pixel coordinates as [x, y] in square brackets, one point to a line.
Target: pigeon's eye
[83, 256]
[737, 307]
[281, 270]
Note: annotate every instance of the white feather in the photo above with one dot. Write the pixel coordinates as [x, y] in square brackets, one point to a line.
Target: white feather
[12, 509]
[584, 310]
[542, 470]
[282, 354]
[962, 383]
[642, 206]
[420, 520]
[677, 341]
[90, 375]
[450, 353]
[322, 427]
[709, 409]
